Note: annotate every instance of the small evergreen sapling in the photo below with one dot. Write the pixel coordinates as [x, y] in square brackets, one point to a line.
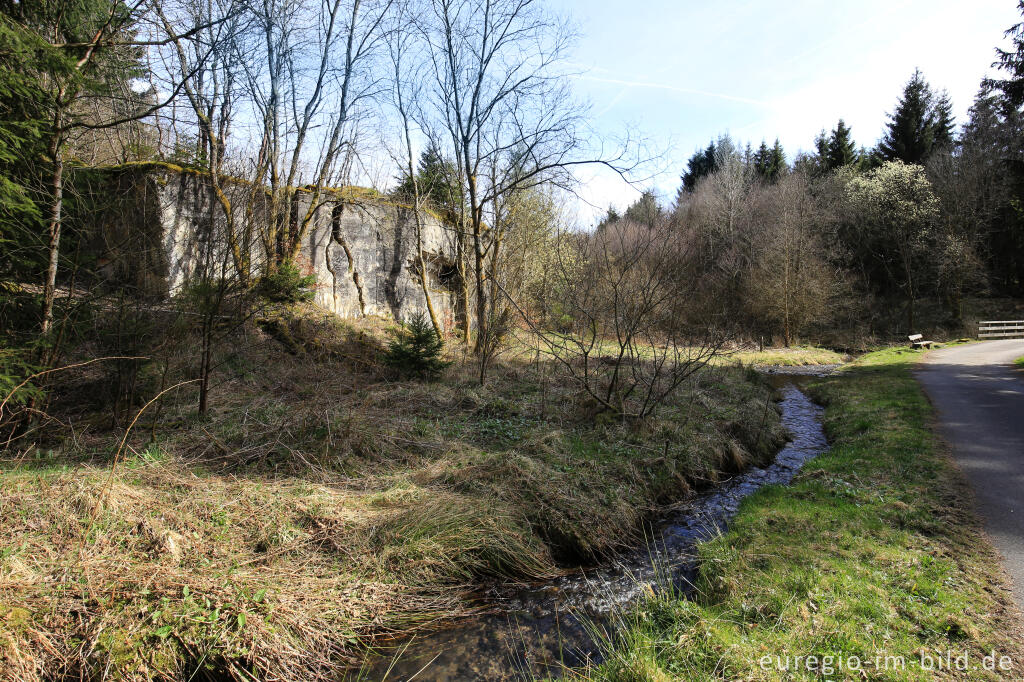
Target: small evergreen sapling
[287, 284]
[416, 350]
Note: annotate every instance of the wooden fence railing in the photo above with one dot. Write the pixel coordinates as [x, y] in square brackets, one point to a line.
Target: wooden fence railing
[1001, 329]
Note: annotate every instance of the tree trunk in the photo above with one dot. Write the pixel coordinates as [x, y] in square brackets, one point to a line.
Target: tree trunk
[204, 371]
[56, 210]
[462, 258]
[481, 294]
[423, 273]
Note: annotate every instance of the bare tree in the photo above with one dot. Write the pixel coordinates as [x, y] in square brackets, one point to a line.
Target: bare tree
[790, 283]
[406, 89]
[627, 343]
[506, 113]
[314, 72]
[970, 190]
[206, 64]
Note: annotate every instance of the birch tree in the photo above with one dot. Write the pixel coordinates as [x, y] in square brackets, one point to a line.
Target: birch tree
[501, 98]
[406, 90]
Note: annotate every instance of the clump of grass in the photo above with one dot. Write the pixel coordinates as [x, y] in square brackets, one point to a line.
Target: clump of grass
[320, 508]
[1019, 362]
[872, 552]
[178, 575]
[787, 357]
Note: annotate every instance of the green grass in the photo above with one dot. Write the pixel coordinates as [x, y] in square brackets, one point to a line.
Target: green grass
[873, 552]
[1019, 362]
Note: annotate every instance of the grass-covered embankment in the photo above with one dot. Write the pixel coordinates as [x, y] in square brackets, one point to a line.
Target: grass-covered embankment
[786, 357]
[873, 553]
[323, 505]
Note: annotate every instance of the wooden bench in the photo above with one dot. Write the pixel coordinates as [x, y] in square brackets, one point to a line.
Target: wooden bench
[917, 341]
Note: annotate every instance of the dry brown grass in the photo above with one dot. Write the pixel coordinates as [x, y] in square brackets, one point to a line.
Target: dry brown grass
[250, 577]
[321, 508]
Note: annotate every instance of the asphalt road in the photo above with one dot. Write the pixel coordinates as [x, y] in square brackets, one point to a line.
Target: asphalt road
[979, 398]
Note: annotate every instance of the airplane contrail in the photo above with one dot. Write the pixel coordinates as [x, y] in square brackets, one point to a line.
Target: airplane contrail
[673, 88]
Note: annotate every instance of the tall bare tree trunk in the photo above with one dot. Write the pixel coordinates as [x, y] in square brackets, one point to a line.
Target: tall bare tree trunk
[462, 258]
[481, 293]
[423, 275]
[478, 253]
[56, 211]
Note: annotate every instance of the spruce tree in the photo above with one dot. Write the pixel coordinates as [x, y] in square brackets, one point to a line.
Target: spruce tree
[1012, 63]
[911, 132]
[777, 165]
[644, 210]
[944, 124]
[416, 350]
[702, 163]
[611, 217]
[438, 182]
[841, 150]
[770, 162]
[869, 159]
[762, 161]
[820, 160]
[23, 124]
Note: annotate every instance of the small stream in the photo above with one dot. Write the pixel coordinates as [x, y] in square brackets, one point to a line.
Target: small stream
[537, 630]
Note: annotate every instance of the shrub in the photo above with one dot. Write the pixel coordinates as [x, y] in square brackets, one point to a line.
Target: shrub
[416, 350]
[287, 284]
[14, 369]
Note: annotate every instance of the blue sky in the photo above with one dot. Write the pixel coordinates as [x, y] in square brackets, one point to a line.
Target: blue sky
[684, 71]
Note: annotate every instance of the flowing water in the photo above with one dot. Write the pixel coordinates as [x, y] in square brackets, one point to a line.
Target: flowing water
[537, 630]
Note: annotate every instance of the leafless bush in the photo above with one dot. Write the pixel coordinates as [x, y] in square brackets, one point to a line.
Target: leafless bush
[625, 339]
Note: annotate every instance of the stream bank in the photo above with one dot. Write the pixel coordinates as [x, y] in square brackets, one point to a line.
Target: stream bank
[538, 630]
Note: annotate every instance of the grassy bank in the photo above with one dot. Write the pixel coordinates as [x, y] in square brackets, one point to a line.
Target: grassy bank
[787, 357]
[872, 552]
[321, 506]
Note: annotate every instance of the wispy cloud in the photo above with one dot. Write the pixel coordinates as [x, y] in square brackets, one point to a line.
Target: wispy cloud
[672, 88]
[615, 100]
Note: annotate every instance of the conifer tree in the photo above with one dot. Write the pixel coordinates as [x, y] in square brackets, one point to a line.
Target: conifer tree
[644, 210]
[944, 125]
[611, 217]
[920, 124]
[1012, 63]
[770, 162]
[869, 159]
[23, 123]
[777, 165]
[438, 181]
[818, 162]
[821, 144]
[841, 150]
[416, 350]
[702, 163]
[762, 161]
